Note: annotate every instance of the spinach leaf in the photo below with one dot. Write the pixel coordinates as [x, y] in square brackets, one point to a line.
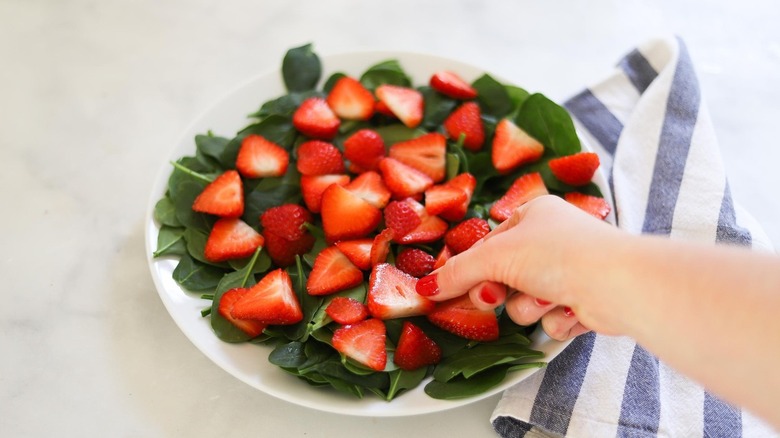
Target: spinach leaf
[437, 108]
[549, 123]
[386, 72]
[401, 380]
[165, 212]
[493, 98]
[462, 388]
[276, 128]
[262, 194]
[397, 132]
[196, 276]
[284, 105]
[170, 242]
[211, 146]
[301, 68]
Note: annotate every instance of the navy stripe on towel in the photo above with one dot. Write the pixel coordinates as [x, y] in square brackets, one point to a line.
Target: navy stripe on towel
[511, 427]
[641, 408]
[728, 231]
[596, 118]
[638, 70]
[721, 419]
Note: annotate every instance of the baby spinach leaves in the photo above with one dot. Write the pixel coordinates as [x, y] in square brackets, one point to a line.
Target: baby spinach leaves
[301, 69]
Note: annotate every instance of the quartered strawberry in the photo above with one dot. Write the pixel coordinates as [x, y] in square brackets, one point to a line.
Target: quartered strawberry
[444, 197]
[466, 182]
[286, 220]
[346, 215]
[403, 180]
[460, 317]
[231, 238]
[314, 118]
[442, 257]
[466, 120]
[312, 187]
[513, 147]
[452, 85]
[576, 169]
[272, 301]
[380, 248]
[364, 149]
[332, 272]
[316, 157]
[350, 100]
[404, 102]
[592, 204]
[346, 310]
[523, 189]
[426, 153]
[260, 158]
[392, 294]
[431, 228]
[358, 251]
[401, 217]
[415, 349]
[283, 251]
[463, 235]
[415, 262]
[223, 197]
[363, 342]
[370, 186]
[251, 327]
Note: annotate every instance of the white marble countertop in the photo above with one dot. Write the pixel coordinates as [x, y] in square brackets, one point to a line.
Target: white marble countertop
[93, 94]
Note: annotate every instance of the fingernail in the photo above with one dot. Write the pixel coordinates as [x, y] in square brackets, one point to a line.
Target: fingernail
[541, 303]
[567, 311]
[486, 295]
[427, 286]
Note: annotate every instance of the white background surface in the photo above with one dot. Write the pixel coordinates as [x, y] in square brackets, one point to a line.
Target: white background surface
[94, 93]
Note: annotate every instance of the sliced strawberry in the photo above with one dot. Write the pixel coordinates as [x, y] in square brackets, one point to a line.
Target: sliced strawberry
[403, 180]
[442, 257]
[466, 120]
[223, 197]
[466, 182]
[364, 149]
[382, 108]
[405, 103]
[286, 220]
[513, 147]
[272, 301]
[312, 187]
[401, 217]
[523, 189]
[260, 158]
[363, 342]
[463, 235]
[345, 310]
[251, 327]
[231, 238]
[283, 251]
[444, 197]
[460, 317]
[358, 251]
[369, 186]
[594, 205]
[315, 119]
[426, 153]
[350, 100]
[346, 215]
[332, 272]
[431, 228]
[415, 349]
[392, 294]
[450, 84]
[415, 262]
[576, 169]
[380, 248]
[316, 157]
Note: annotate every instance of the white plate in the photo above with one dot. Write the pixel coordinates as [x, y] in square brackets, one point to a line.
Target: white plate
[248, 362]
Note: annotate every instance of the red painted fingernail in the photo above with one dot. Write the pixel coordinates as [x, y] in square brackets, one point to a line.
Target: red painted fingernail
[567, 311]
[427, 286]
[487, 296]
[541, 303]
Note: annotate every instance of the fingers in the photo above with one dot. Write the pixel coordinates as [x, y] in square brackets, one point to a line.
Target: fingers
[488, 295]
[559, 322]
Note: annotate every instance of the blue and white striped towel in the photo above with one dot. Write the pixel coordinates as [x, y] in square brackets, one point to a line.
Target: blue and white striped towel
[648, 123]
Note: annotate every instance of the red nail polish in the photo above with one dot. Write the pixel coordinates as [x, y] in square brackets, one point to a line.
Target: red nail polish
[541, 303]
[487, 296]
[427, 286]
[567, 311]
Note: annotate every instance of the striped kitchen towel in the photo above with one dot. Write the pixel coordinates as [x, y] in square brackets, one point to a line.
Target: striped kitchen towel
[648, 123]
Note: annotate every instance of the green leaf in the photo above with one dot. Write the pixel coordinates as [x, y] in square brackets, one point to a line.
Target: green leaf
[397, 132]
[462, 388]
[170, 242]
[493, 98]
[517, 95]
[290, 355]
[262, 194]
[210, 145]
[196, 276]
[401, 380]
[183, 194]
[436, 109]
[283, 106]
[309, 303]
[301, 68]
[331, 81]
[549, 123]
[165, 212]
[386, 72]
[471, 361]
[262, 264]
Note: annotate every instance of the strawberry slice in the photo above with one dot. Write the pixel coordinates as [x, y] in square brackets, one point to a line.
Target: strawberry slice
[401, 217]
[415, 262]
[369, 186]
[576, 169]
[346, 215]
[466, 120]
[358, 251]
[403, 180]
[444, 197]
[260, 158]
[392, 294]
[442, 257]
[332, 272]
[431, 228]
[594, 205]
[286, 220]
[363, 342]
[231, 238]
[345, 310]
[452, 85]
[380, 247]
[462, 236]
[315, 119]
[316, 157]
[466, 182]
[460, 317]
[272, 301]
[426, 153]
[415, 349]
[523, 189]
[251, 327]
[513, 147]
[312, 187]
[350, 100]
[382, 108]
[283, 251]
[364, 149]
[404, 102]
[223, 197]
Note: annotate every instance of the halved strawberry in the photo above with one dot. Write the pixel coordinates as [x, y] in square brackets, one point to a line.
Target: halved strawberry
[364, 149]
[283, 251]
[401, 217]
[350, 100]
[231, 238]
[363, 342]
[415, 349]
[467, 120]
[382, 108]
[523, 189]
[260, 158]
[251, 327]
[513, 147]
[463, 235]
[431, 228]
[315, 119]
[451, 84]
[404, 102]
[594, 205]
[415, 262]
[358, 251]
[345, 310]
[444, 197]
[332, 272]
[286, 220]
[442, 257]
[312, 187]
[576, 169]
[426, 153]
[370, 186]
[380, 248]
[460, 317]
[316, 157]
[223, 197]
[392, 294]
[346, 215]
[272, 301]
[403, 180]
